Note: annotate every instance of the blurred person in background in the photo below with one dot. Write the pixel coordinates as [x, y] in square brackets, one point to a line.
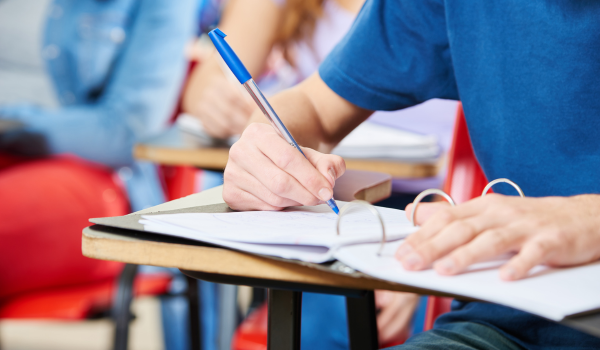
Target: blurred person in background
[87, 79]
[283, 42]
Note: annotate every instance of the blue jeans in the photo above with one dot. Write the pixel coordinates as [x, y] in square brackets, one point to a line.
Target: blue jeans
[459, 336]
[324, 323]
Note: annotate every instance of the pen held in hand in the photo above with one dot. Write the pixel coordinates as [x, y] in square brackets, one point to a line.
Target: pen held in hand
[241, 73]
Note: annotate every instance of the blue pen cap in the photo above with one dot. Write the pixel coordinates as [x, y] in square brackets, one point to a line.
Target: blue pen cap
[233, 62]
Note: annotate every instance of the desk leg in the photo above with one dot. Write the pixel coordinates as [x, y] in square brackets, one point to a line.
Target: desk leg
[285, 309]
[122, 306]
[194, 313]
[362, 322]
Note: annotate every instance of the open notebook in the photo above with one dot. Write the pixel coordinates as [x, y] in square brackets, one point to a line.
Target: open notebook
[303, 233]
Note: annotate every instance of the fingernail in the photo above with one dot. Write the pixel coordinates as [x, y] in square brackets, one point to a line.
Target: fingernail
[403, 251]
[331, 173]
[508, 273]
[325, 194]
[445, 266]
[413, 261]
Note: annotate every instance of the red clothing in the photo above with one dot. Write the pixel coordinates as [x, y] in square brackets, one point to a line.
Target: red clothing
[44, 205]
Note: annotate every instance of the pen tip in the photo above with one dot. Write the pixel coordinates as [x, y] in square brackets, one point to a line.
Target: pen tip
[331, 203]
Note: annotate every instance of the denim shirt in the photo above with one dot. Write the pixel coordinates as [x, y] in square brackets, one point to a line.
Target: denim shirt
[117, 67]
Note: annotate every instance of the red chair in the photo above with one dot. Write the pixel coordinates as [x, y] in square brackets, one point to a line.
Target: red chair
[80, 302]
[465, 180]
[107, 297]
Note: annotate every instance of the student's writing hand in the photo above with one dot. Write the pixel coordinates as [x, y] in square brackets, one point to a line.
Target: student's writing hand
[395, 311]
[264, 172]
[222, 107]
[555, 231]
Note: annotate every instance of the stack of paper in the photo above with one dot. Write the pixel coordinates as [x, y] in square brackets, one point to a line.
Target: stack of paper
[550, 293]
[303, 233]
[370, 140]
[309, 234]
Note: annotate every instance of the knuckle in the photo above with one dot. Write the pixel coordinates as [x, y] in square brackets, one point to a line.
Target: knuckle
[230, 196]
[314, 182]
[541, 246]
[499, 239]
[275, 200]
[493, 199]
[561, 235]
[279, 184]
[445, 216]
[337, 160]
[252, 129]
[463, 257]
[286, 158]
[429, 251]
[228, 177]
[462, 227]
[235, 152]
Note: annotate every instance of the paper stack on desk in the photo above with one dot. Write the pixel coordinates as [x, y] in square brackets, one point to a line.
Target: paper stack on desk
[309, 234]
[303, 233]
[370, 141]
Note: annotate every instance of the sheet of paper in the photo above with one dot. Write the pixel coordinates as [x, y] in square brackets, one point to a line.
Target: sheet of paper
[314, 254]
[313, 226]
[550, 293]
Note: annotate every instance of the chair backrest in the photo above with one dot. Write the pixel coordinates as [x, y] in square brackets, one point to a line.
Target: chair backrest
[464, 181]
[179, 180]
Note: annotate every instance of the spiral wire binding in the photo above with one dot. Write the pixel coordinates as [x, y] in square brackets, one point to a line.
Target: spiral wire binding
[416, 202]
[373, 211]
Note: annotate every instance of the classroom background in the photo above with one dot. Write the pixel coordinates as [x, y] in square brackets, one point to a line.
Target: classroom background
[82, 83]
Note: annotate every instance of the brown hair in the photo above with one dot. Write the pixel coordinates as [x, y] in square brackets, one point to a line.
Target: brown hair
[298, 23]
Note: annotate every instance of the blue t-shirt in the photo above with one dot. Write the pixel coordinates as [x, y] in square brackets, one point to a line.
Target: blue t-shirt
[528, 75]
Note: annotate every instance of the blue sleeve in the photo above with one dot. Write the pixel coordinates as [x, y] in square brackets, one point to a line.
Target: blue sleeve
[396, 55]
[138, 98]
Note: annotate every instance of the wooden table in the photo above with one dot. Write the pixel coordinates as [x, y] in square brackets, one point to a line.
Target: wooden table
[10, 125]
[285, 279]
[176, 147]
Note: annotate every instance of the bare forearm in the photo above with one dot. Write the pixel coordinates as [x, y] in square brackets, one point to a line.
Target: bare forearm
[298, 115]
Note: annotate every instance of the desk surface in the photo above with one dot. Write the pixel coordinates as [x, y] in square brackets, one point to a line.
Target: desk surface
[101, 242]
[9, 125]
[180, 148]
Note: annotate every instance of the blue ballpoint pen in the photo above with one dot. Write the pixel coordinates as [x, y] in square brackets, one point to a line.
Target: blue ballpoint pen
[244, 77]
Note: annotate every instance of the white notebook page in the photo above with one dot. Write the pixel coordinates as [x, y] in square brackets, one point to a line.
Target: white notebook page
[550, 293]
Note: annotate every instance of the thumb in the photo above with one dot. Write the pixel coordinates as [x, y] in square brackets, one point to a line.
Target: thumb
[329, 165]
[424, 211]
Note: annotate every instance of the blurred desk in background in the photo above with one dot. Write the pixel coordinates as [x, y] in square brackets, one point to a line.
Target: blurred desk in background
[10, 125]
[176, 147]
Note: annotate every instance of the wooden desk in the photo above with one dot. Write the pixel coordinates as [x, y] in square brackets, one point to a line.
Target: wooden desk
[286, 279]
[179, 148]
[10, 125]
